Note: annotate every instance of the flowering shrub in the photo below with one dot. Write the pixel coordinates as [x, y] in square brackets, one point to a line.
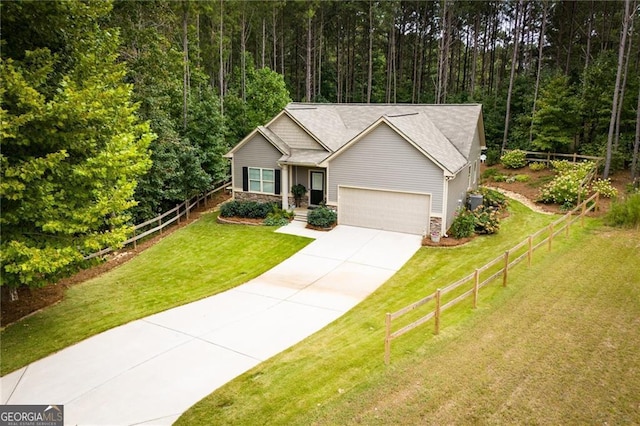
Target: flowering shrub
[486, 220]
[537, 166]
[515, 159]
[604, 187]
[565, 188]
[463, 225]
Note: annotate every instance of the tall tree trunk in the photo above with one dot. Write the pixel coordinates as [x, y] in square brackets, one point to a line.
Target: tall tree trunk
[320, 44]
[616, 134]
[370, 58]
[514, 63]
[243, 57]
[540, 46]
[636, 144]
[221, 46]
[308, 64]
[264, 42]
[614, 108]
[476, 29]
[587, 56]
[274, 32]
[443, 57]
[185, 60]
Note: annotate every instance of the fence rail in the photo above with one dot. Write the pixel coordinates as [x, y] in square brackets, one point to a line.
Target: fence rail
[547, 157]
[180, 210]
[506, 261]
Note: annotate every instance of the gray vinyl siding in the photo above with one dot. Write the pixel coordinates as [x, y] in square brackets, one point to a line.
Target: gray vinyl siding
[292, 134]
[257, 152]
[384, 160]
[301, 175]
[457, 193]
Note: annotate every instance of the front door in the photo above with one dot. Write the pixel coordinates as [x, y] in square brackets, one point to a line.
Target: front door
[316, 193]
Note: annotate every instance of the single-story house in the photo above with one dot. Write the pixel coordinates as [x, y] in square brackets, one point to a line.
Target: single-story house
[399, 167]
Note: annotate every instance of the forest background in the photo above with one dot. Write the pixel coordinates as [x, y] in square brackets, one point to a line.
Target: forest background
[113, 112]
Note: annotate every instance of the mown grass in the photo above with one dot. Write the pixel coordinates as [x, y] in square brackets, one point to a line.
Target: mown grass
[197, 261]
[476, 369]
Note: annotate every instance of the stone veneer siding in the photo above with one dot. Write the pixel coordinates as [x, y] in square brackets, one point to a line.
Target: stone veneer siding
[262, 198]
[435, 225]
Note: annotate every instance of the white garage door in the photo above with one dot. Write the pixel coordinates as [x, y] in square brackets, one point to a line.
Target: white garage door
[388, 210]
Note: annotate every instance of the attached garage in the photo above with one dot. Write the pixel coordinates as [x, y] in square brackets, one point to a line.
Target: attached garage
[397, 211]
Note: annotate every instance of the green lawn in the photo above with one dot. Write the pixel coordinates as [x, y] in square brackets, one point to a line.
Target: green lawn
[338, 376]
[199, 260]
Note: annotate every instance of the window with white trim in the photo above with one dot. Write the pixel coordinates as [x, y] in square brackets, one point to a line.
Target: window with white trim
[262, 180]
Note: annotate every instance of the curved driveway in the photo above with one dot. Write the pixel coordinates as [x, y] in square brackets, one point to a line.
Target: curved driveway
[151, 370]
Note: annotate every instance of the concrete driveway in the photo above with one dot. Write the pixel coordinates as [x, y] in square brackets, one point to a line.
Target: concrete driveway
[151, 370]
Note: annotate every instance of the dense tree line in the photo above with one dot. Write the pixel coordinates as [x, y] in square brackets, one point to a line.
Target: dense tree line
[115, 111]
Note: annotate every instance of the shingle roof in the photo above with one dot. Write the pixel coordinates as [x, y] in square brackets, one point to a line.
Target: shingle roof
[445, 132]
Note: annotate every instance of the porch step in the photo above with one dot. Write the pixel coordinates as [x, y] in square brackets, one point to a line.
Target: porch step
[300, 215]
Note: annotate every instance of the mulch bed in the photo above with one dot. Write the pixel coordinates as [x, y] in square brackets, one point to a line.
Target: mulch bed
[446, 241]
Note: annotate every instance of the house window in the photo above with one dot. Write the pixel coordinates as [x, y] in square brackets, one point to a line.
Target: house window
[262, 180]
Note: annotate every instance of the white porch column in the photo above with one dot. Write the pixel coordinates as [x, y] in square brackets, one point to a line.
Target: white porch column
[284, 187]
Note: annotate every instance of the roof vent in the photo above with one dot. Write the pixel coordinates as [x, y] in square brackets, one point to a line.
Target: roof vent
[403, 115]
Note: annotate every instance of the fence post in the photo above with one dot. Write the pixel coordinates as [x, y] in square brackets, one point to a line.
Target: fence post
[178, 213]
[186, 208]
[437, 316]
[506, 268]
[530, 252]
[135, 240]
[387, 340]
[550, 235]
[160, 224]
[568, 223]
[476, 282]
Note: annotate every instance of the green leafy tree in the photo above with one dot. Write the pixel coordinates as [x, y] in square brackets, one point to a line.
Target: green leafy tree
[72, 147]
[557, 119]
[266, 95]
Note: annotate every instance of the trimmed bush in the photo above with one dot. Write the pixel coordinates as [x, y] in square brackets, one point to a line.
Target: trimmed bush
[246, 209]
[322, 217]
[625, 213]
[521, 178]
[515, 159]
[463, 225]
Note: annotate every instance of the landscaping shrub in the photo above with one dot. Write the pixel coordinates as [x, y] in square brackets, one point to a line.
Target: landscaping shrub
[500, 178]
[322, 217]
[515, 159]
[625, 213]
[521, 178]
[278, 217]
[565, 188]
[493, 157]
[492, 198]
[246, 209]
[604, 187]
[486, 220]
[490, 173]
[463, 225]
[537, 166]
